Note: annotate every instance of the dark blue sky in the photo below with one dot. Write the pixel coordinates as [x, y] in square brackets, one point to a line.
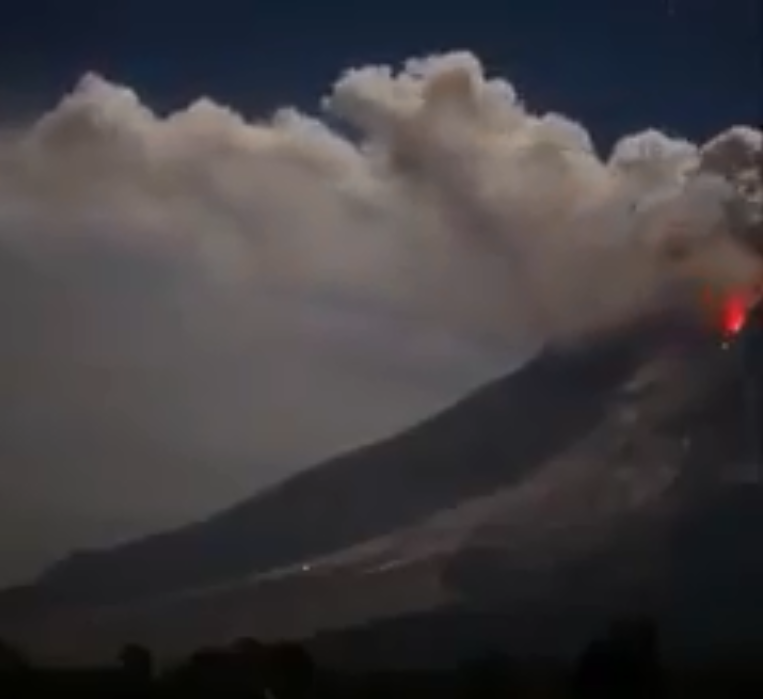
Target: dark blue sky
[617, 65]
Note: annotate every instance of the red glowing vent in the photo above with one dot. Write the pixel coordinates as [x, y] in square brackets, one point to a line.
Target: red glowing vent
[729, 312]
[734, 314]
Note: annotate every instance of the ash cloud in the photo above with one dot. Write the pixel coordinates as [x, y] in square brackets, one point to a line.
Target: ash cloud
[196, 303]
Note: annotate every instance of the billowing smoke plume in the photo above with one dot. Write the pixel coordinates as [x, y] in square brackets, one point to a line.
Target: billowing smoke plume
[580, 243]
[459, 208]
[171, 283]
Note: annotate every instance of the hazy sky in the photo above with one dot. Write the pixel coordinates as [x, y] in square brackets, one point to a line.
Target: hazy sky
[198, 306]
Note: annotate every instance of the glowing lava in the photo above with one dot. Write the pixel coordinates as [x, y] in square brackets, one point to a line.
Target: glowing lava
[734, 315]
[729, 313]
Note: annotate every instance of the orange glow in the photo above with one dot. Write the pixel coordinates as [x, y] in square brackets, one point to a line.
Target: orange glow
[734, 314]
[729, 312]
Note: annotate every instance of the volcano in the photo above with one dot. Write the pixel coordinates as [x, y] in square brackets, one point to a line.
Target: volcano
[607, 478]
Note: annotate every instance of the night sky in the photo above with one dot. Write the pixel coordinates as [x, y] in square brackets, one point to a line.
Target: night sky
[688, 66]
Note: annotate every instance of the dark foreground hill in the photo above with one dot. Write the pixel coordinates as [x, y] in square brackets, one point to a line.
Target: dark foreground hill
[589, 483]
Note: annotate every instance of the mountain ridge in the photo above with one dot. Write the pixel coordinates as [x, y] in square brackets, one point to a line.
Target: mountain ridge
[595, 509]
[429, 462]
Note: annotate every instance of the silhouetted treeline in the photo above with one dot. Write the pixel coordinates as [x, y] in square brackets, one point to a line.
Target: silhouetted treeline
[623, 663]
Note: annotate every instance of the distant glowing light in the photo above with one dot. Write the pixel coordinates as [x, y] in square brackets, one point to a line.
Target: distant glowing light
[734, 314]
[730, 312]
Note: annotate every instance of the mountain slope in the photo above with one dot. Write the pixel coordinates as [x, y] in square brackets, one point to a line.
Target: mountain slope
[488, 441]
[586, 477]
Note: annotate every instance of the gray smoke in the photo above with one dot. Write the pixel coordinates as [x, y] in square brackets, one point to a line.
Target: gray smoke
[195, 304]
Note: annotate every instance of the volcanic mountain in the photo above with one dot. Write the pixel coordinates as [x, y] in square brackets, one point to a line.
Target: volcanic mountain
[593, 481]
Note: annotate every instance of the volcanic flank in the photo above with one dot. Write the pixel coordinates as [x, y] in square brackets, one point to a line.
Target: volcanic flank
[602, 473]
[598, 471]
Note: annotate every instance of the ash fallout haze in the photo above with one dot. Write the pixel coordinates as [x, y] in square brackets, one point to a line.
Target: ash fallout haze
[205, 289]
